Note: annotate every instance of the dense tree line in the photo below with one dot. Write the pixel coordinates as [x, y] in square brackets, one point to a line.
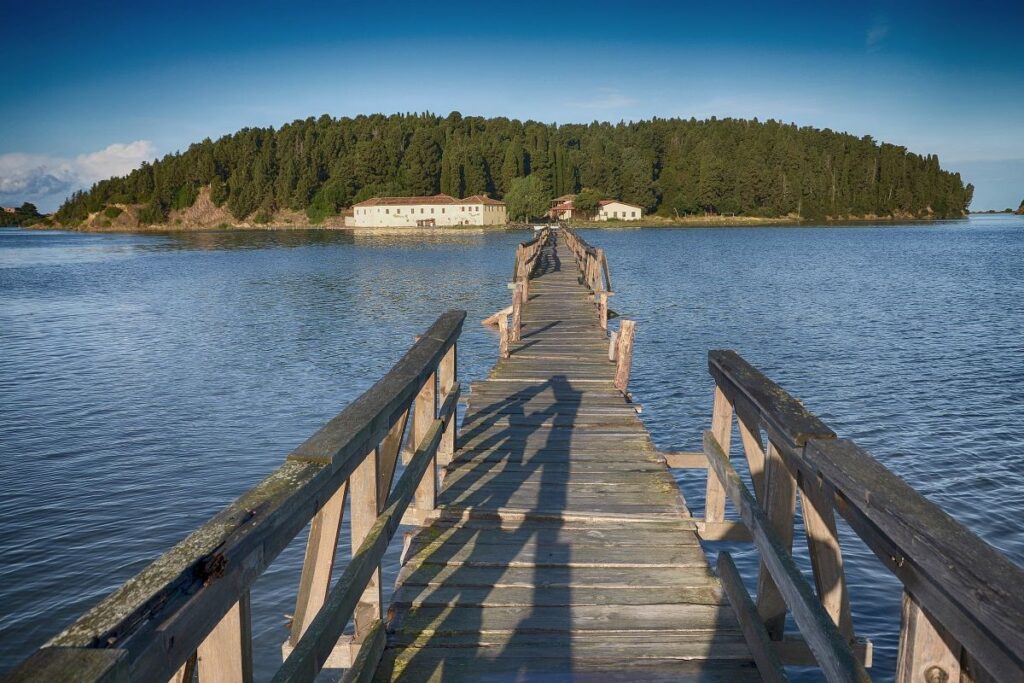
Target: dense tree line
[671, 166]
[26, 214]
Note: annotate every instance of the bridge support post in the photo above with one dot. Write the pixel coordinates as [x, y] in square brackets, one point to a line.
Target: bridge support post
[366, 505]
[448, 376]
[518, 299]
[780, 506]
[424, 414]
[927, 651]
[721, 428]
[624, 354]
[226, 654]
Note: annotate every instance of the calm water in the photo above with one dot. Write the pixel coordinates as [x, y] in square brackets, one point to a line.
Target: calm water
[146, 381]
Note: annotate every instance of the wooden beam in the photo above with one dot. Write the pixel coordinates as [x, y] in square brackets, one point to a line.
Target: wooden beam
[793, 651]
[94, 665]
[961, 581]
[424, 415]
[765, 657]
[780, 508]
[775, 406]
[517, 312]
[816, 498]
[447, 378]
[723, 531]
[225, 656]
[927, 650]
[365, 507]
[492, 320]
[321, 548]
[721, 426]
[316, 644]
[624, 354]
[365, 665]
[694, 460]
[830, 648]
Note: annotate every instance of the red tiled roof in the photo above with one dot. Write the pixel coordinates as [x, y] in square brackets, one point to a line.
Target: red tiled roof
[435, 199]
[605, 202]
[479, 199]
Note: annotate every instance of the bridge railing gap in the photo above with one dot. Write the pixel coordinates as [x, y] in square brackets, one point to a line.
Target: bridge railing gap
[188, 611]
[963, 604]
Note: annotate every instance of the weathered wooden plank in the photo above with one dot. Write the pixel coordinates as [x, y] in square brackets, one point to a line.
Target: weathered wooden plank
[225, 655]
[775, 406]
[602, 670]
[965, 583]
[365, 665]
[316, 643]
[829, 646]
[489, 596]
[539, 619]
[73, 665]
[765, 656]
[554, 554]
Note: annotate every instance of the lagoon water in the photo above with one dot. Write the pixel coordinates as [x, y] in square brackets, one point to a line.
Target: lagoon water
[147, 380]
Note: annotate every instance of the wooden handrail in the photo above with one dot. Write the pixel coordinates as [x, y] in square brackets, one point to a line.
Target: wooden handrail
[151, 626]
[963, 604]
[595, 274]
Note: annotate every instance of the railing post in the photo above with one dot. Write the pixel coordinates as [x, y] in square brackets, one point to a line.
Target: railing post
[503, 336]
[517, 312]
[780, 507]
[365, 506]
[318, 563]
[448, 375]
[423, 416]
[826, 556]
[927, 652]
[624, 354]
[226, 654]
[602, 309]
[721, 429]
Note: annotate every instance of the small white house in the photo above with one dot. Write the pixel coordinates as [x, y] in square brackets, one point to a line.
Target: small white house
[436, 211]
[614, 210]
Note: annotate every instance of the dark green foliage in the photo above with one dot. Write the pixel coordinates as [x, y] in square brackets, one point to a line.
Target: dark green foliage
[587, 199]
[26, 214]
[527, 199]
[671, 166]
[112, 212]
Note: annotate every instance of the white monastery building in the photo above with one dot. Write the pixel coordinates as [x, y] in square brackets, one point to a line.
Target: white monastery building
[428, 212]
[613, 209]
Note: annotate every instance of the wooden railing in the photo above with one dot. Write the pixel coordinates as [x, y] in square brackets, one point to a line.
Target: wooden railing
[525, 265]
[188, 611]
[593, 268]
[596, 276]
[963, 604]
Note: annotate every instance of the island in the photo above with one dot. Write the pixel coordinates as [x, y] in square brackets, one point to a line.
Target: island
[320, 171]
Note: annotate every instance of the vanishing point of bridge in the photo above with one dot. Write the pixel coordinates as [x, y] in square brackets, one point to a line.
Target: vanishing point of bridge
[553, 544]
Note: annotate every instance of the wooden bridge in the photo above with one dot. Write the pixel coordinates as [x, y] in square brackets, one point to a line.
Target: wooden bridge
[552, 542]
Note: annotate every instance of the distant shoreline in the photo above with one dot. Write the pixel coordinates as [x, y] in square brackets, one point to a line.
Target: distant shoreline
[701, 222]
[648, 222]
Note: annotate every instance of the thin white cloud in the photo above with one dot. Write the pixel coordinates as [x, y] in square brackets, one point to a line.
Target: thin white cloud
[47, 180]
[876, 35]
[606, 98]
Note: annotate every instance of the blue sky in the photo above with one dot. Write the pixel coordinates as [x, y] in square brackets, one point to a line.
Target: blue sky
[92, 89]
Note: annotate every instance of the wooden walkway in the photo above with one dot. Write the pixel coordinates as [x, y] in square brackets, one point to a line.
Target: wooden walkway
[562, 549]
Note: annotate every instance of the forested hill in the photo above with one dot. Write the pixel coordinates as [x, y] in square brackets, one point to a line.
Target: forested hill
[671, 166]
